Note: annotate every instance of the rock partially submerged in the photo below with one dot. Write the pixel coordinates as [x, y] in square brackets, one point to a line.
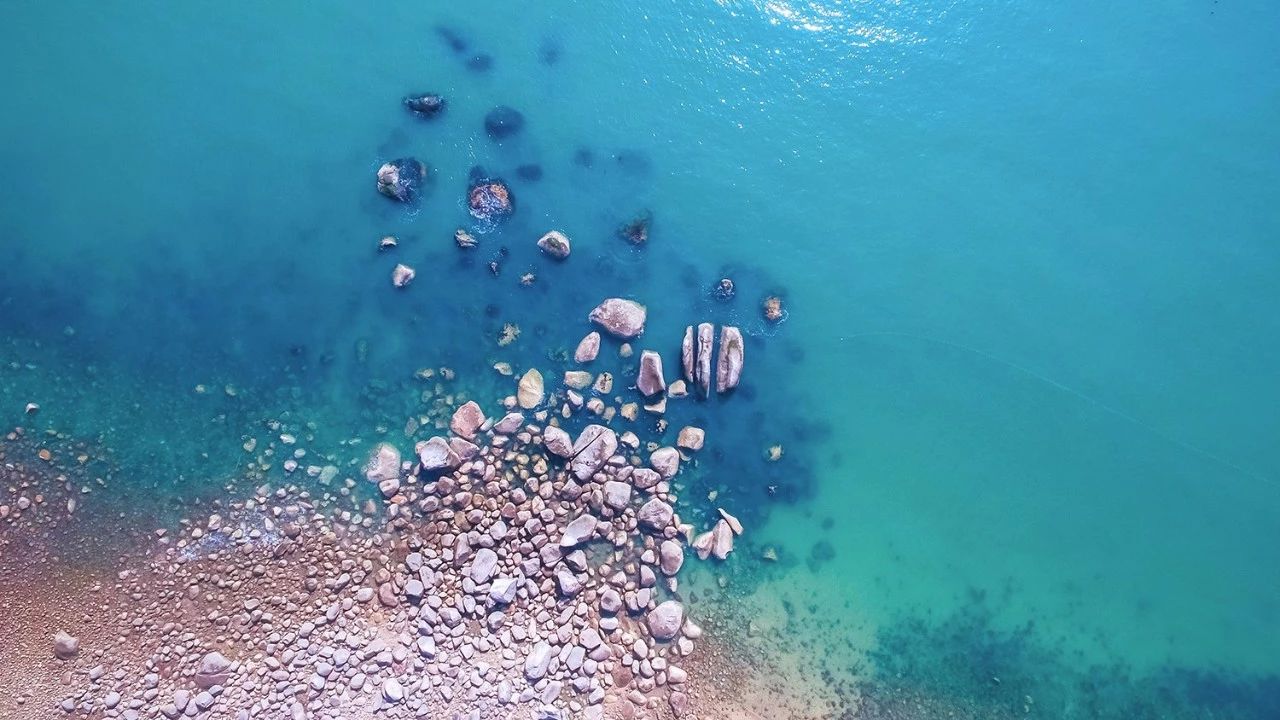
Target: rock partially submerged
[464, 239]
[729, 364]
[620, 317]
[665, 620]
[773, 309]
[436, 454]
[467, 420]
[555, 244]
[588, 349]
[402, 275]
[702, 368]
[425, 105]
[490, 200]
[401, 179]
[649, 380]
[530, 392]
[384, 464]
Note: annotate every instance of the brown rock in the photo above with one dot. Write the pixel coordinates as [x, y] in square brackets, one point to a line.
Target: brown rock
[467, 420]
[649, 381]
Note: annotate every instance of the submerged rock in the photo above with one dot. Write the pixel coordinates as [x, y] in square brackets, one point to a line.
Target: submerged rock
[649, 381]
[636, 231]
[555, 244]
[530, 392]
[702, 369]
[502, 122]
[620, 317]
[426, 105]
[401, 179]
[463, 238]
[588, 349]
[490, 199]
[729, 365]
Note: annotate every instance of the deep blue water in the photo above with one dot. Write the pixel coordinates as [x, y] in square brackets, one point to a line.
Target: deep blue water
[1028, 250]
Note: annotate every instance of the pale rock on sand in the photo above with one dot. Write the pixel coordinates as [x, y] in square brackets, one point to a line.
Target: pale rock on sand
[530, 392]
[555, 244]
[537, 661]
[65, 646]
[729, 365]
[466, 420]
[620, 317]
[578, 531]
[588, 349]
[649, 381]
[214, 670]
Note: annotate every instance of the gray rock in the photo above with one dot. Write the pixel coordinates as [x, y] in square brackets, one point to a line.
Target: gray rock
[537, 661]
[503, 590]
[214, 670]
[670, 557]
[402, 275]
[691, 438]
[483, 566]
[687, 353]
[592, 450]
[392, 690]
[617, 495]
[509, 423]
[650, 381]
[588, 349]
[435, 455]
[555, 244]
[65, 646]
[722, 540]
[619, 317]
[578, 531]
[644, 478]
[557, 441]
[467, 419]
[702, 368]
[413, 590]
[655, 515]
[568, 583]
[664, 621]
[729, 364]
[610, 601]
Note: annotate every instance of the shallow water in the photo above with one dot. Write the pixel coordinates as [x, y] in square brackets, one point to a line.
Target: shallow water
[1026, 387]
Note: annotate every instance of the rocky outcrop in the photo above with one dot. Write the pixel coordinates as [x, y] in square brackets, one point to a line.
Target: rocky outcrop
[729, 364]
[402, 179]
[687, 354]
[425, 105]
[555, 244]
[649, 380]
[773, 309]
[490, 200]
[620, 317]
[588, 349]
[467, 420]
[592, 450]
[702, 370]
[691, 438]
[402, 275]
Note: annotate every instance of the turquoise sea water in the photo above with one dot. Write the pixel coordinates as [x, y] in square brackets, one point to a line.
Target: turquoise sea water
[1026, 388]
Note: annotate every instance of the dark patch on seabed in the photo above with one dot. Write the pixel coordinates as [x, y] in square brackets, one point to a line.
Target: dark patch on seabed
[965, 667]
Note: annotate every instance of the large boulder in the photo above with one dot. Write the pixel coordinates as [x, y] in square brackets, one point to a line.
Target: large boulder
[666, 460]
[557, 441]
[617, 494]
[702, 368]
[425, 105]
[649, 380]
[503, 122]
[729, 364]
[536, 662]
[665, 620]
[588, 349]
[402, 179]
[592, 450]
[467, 420]
[214, 669]
[620, 317]
[655, 515]
[402, 275]
[687, 353]
[555, 244]
[65, 646]
[578, 531]
[490, 200]
[530, 392]
[436, 455]
[670, 557]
